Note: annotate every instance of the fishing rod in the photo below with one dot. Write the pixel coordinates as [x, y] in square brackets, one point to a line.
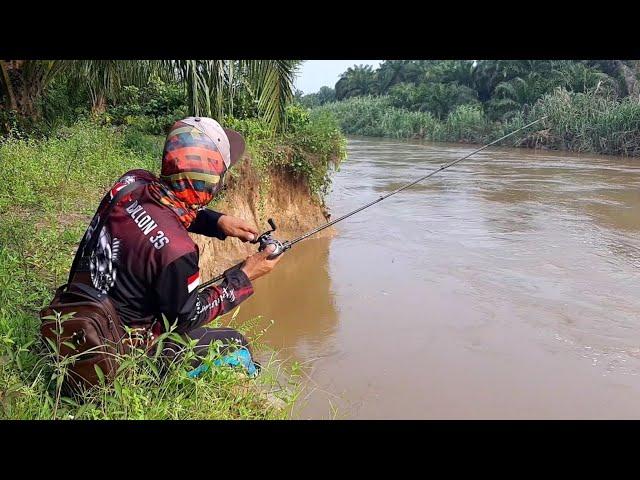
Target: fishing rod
[266, 239]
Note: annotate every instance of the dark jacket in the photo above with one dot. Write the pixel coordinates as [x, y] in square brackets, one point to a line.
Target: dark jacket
[148, 264]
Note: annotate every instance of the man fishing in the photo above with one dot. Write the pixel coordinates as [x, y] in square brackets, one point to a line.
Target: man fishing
[144, 258]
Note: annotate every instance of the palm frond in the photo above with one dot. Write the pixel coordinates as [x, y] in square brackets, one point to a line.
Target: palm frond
[272, 82]
[212, 85]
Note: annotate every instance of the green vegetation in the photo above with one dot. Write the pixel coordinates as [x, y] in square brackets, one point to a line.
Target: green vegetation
[581, 122]
[310, 148]
[324, 95]
[592, 106]
[71, 129]
[259, 88]
[144, 387]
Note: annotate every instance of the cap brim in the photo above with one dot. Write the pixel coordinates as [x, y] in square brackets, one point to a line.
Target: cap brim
[236, 145]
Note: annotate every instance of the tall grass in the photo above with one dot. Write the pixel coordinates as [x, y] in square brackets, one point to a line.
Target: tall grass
[375, 117]
[144, 387]
[49, 192]
[590, 123]
[582, 122]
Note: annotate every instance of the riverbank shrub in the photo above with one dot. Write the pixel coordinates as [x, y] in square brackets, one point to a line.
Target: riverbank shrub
[52, 185]
[144, 387]
[594, 121]
[590, 123]
[310, 147]
[376, 117]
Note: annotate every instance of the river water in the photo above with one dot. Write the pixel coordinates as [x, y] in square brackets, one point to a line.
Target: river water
[506, 287]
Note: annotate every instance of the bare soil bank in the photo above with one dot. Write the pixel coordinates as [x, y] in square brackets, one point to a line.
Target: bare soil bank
[280, 196]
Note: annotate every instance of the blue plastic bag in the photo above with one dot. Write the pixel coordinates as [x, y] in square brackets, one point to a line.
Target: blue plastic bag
[238, 357]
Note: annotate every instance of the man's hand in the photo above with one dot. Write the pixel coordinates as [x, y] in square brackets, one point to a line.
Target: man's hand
[258, 265]
[236, 227]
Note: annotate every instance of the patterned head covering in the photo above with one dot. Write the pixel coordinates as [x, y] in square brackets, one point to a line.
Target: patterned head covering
[192, 171]
[192, 165]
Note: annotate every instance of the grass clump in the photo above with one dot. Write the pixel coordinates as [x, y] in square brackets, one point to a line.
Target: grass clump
[145, 387]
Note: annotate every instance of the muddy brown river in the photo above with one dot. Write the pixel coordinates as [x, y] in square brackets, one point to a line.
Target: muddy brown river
[507, 287]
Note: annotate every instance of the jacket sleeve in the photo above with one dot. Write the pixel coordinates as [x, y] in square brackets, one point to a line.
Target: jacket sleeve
[178, 297]
[206, 223]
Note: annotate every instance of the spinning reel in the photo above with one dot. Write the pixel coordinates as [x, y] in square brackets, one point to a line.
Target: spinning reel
[266, 239]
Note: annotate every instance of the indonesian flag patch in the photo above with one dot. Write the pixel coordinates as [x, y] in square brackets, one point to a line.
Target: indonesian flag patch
[193, 281]
[116, 188]
[123, 182]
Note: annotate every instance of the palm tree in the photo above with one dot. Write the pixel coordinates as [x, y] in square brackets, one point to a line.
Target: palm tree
[442, 98]
[394, 72]
[326, 95]
[522, 91]
[578, 77]
[486, 75]
[24, 81]
[452, 71]
[104, 79]
[211, 85]
[390, 73]
[271, 84]
[513, 95]
[357, 81]
[625, 71]
[6, 88]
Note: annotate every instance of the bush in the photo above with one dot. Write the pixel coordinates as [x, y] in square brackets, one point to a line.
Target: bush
[145, 386]
[309, 148]
[466, 123]
[437, 98]
[376, 117]
[151, 109]
[588, 122]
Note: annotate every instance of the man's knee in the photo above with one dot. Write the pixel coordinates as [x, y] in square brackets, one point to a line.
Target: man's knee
[228, 337]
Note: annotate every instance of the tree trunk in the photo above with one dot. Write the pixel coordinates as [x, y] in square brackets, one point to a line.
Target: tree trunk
[28, 80]
[629, 78]
[98, 104]
[25, 91]
[5, 82]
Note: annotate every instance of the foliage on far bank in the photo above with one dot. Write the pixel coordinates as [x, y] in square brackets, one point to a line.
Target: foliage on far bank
[592, 104]
[581, 122]
[501, 87]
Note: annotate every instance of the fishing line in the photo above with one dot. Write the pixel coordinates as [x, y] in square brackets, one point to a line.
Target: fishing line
[266, 239]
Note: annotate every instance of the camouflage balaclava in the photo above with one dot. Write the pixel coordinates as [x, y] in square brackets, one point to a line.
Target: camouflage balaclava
[197, 154]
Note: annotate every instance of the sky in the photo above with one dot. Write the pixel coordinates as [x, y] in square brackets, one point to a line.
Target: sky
[318, 73]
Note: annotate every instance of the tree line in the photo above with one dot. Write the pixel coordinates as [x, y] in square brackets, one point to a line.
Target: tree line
[502, 88]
